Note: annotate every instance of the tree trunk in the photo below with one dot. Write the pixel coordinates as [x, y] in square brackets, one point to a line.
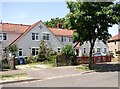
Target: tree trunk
[90, 55]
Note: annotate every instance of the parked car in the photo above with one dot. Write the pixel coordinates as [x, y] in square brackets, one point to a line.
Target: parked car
[99, 54]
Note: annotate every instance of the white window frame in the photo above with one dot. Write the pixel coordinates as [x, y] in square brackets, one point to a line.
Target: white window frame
[58, 50]
[70, 39]
[63, 39]
[84, 50]
[35, 50]
[36, 35]
[99, 51]
[19, 51]
[105, 50]
[46, 35]
[1, 34]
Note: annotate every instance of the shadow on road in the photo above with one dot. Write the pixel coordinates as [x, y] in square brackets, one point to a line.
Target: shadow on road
[107, 67]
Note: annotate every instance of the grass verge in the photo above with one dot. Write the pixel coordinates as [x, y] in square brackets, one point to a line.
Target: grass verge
[6, 76]
[85, 68]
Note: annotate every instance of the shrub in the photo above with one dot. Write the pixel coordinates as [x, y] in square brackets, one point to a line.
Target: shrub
[44, 53]
[5, 64]
[68, 54]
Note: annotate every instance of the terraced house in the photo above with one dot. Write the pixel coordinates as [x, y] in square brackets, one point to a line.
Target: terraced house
[28, 37]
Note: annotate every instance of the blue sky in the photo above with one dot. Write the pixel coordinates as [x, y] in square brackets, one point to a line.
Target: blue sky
[31, 12]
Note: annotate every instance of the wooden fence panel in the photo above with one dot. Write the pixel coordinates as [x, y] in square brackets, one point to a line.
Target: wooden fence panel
[95, 59]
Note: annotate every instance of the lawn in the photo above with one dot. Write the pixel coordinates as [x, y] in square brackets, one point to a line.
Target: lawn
[9, 76]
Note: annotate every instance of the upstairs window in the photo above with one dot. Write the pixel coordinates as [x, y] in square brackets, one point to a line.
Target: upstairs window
[63, 38]
[46, 36]
[3, 36]
[0, 36]
[35, 36]
[70, 39]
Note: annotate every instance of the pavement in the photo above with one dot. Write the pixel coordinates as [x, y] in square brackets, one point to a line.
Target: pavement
[41, 73]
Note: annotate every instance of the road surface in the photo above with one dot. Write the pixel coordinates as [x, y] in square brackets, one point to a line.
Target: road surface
[95, 79]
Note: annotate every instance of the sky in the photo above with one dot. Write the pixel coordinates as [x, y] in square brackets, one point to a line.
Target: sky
[31, 12]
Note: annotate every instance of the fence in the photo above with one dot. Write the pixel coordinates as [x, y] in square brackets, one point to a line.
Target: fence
[95, 59]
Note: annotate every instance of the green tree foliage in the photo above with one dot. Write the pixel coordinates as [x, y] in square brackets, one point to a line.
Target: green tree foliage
[44, 52]
[68, 53]
[12, 48]
[54, 21]
[91, 20]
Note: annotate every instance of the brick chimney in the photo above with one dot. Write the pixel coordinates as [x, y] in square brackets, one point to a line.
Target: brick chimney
[59, 25]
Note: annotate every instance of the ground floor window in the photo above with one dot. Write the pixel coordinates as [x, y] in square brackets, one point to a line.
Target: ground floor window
[20, 52]
[59, 50]
[84, 50]
[105, 50]
[35, 51]
[98, 49]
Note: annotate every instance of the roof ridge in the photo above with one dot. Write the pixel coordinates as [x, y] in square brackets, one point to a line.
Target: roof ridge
[26, 31]
[17, 24]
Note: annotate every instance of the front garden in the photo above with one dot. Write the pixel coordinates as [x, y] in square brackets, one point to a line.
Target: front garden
[45, 56]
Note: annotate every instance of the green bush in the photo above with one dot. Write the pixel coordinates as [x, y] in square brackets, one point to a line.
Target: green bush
[44, 53]
[68, 55]
[5, 64]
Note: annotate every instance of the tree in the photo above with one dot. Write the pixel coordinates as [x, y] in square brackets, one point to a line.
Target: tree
[91, 20]
[69, 53]
[44, 52]
[54, 21]
[12, 48]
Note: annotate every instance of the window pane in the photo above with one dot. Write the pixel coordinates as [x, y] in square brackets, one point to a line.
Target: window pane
[98, 49]
[62, 38]
[47, 36]
[4, 36]
[33, 36]
[0, 36]
[33, 51]
[20, 52]
[37, 50]
[84, 50]
[36, 36]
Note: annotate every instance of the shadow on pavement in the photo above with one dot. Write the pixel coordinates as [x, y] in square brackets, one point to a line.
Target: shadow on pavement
[107, 67]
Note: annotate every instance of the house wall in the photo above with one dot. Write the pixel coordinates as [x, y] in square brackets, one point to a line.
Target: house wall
[10, 38]
[26, 41]
[98, 44]
[114, 46]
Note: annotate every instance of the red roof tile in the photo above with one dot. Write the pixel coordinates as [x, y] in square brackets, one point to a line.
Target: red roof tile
[14, 28]
[116, 37]
[25, 32]
[61, 32]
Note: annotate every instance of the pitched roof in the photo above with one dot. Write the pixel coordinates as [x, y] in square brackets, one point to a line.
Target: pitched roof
[14, 28]
[61, 32]
[26, 31]
[116, 37]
